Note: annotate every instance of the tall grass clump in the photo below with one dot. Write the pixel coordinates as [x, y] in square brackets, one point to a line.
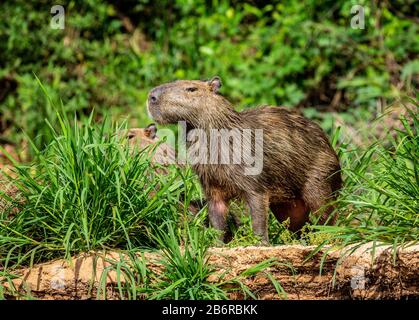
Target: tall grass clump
[85, 191]
[185, 267]
[380, 199]
[187, 270]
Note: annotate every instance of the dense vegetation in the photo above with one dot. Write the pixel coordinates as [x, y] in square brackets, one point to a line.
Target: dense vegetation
[80, 188]
[294, 53]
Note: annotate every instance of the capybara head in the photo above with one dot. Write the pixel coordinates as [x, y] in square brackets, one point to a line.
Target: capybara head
[193, 101]
[141, 138]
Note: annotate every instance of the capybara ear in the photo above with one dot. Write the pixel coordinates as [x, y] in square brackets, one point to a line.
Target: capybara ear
[151, 131]
[215, 84]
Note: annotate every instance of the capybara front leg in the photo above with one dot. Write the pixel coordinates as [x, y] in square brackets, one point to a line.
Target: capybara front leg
[217, 212]
[258, 205]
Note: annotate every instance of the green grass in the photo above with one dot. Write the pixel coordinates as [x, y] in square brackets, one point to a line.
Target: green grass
[186, 267]
[11, 291]
[380, 199]
[85, 191]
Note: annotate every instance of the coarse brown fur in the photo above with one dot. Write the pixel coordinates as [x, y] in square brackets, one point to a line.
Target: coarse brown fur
[301, 172]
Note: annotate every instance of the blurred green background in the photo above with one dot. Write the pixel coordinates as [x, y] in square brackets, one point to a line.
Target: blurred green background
[301, 54]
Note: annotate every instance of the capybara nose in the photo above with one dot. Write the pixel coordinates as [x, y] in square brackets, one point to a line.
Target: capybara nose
[154, 95]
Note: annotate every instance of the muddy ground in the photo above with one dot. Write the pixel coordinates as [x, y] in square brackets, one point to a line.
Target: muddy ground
[358, 275]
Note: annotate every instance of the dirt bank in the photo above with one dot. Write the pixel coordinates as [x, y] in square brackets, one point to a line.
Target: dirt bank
[358, 276]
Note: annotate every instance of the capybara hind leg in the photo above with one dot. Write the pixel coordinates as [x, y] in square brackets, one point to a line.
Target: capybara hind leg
[321, 188]
[317, 196]
[324, 211]
[296, 210]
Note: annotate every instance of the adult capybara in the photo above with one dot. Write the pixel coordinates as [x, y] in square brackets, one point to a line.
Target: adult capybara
[300, 172]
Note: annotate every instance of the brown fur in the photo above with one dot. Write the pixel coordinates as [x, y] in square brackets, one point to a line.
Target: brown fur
[301, 171]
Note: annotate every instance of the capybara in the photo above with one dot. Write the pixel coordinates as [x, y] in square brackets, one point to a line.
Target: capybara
[161, 153]
[300, 172]
[141, 138]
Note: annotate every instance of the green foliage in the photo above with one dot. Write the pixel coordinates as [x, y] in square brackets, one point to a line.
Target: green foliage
[86, 191]
[286, 53]
[184, 260]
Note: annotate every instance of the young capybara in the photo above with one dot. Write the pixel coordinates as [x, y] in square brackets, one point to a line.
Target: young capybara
[160, 152]
[141, 138]
[300, 172]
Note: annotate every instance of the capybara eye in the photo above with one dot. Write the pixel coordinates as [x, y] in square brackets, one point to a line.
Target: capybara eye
[191, 89]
